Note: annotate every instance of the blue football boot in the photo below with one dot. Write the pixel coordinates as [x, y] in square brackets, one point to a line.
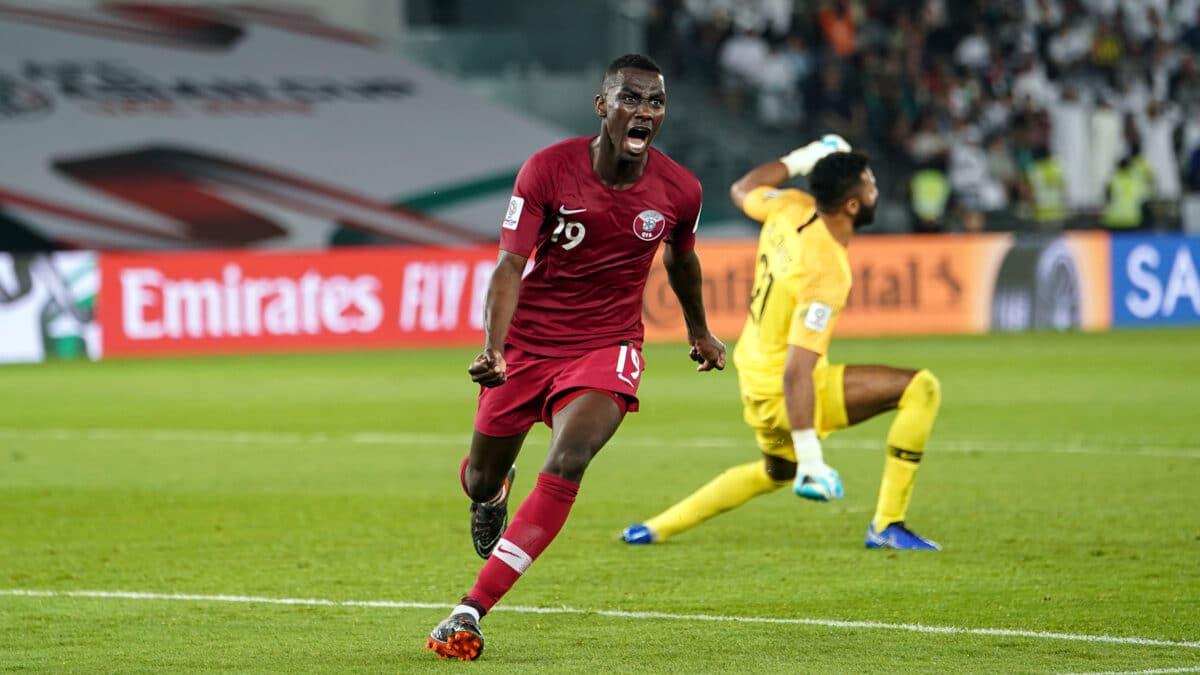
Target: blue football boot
[897, 536]
[638, 534]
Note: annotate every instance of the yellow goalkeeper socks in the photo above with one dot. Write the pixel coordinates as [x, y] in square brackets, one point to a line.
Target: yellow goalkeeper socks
[895, 490]
[731, 489]
[906, 440]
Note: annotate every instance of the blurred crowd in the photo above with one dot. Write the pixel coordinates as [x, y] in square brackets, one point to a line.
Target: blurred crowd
[1062, 113]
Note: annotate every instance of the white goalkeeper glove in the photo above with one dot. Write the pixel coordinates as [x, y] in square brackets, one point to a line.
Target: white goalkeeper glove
[814, 478]
[800, 161]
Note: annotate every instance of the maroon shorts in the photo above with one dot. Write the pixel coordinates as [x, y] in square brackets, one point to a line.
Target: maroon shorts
[535, 383]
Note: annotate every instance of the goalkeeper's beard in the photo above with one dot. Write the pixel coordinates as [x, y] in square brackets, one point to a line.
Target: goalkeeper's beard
[865, 216]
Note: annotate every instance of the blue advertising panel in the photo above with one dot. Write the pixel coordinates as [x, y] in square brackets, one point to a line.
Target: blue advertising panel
[1155, 281]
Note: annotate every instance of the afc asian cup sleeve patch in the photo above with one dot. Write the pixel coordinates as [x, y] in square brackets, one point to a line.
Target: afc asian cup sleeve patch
[818, 316]
[513, 215]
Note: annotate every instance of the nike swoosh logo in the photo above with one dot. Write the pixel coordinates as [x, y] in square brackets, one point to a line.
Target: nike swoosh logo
[501, 549]
[566, 212]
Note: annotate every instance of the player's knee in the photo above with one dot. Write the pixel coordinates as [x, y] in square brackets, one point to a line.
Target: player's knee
[923, 390]
[482, 486]
[779, 469]
[568, 460]
[478, 493]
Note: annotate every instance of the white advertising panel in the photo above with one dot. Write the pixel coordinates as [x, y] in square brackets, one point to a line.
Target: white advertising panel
[47, 307]
[144, 127]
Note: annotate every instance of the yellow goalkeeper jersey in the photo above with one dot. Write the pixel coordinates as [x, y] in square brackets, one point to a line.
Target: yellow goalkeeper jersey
[801, 284]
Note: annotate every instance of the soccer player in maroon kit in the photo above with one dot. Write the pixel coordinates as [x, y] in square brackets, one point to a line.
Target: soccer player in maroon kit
[563, 341]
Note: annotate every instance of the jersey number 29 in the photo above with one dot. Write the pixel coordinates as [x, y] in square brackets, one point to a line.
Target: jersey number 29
[573, 232]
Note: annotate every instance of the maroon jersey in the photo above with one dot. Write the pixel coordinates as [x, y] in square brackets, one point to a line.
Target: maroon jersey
[592, 246]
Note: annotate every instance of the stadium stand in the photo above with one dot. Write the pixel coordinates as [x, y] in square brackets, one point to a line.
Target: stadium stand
[981, 115]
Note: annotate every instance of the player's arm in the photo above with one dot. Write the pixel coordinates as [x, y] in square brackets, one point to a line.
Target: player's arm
[489, 368]
[772, 173]
[518, 234]
[683, 273]
[799, 394]
[776, 172]
[808, 339]
[800, 401]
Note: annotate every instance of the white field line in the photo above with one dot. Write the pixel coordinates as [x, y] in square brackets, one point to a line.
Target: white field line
[825, 623]
[1154, 671]
[225, 436]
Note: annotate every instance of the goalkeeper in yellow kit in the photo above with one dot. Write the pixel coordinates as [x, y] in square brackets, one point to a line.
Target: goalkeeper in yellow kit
[791, 395]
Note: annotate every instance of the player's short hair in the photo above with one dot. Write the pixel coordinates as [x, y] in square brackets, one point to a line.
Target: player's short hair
[635, 61]
[835, 178]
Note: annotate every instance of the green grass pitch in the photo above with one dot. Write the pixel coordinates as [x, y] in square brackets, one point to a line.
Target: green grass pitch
[1063, 480]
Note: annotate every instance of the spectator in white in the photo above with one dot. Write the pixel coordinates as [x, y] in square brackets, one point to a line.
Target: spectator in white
[1163, 28]
[1139, 18]
[743, 54]
[1002, 168]
[971, 183]
[1106, 138]
[1073, 43]
[741, 58]
[973, 51]
[799, 58]
[774, 16]
[995, 113]
[1164, 63]
[1042, 19]
[1044, 13]
[777, 15]
[927, 143]
[1069, 143]
[1032, 83]
[1185, 85]
[778, 96]
[1104, 8]
[1156, 129]
[1184, 14]
[1132, 90]
[962, 94]
[747, 16]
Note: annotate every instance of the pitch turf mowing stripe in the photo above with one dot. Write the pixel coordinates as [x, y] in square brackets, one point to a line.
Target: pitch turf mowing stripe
[1077, 446]
[825, 623]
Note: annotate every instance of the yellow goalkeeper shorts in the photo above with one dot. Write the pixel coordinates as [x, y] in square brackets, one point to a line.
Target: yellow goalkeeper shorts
[767, 416]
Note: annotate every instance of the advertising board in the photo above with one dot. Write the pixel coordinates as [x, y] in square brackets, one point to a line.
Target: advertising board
[1155, 280]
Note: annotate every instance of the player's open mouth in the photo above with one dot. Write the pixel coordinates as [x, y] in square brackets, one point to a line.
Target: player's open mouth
[637, 139]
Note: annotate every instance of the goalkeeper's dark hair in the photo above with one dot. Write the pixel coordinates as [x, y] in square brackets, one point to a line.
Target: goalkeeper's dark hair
[635, 61]
[836, 177]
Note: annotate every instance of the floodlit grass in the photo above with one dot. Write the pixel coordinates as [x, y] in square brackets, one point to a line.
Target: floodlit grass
[1061, 480]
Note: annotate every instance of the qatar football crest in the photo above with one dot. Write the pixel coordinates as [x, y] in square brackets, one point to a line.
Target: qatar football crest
[649, 225]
